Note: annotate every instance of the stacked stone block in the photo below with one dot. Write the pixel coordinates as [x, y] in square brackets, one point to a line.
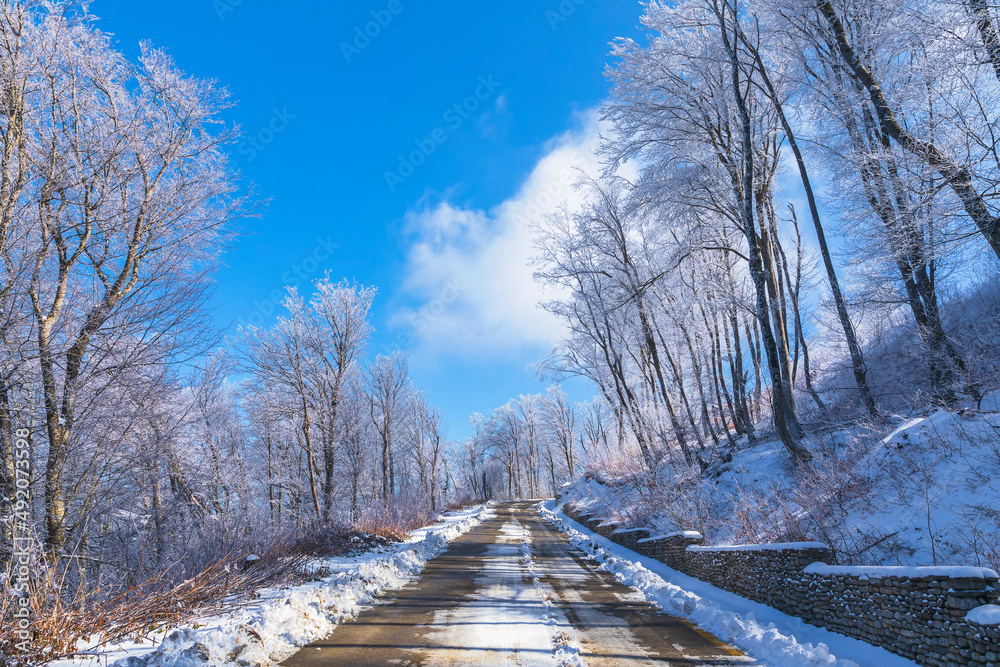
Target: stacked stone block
[672, 549]
[629, 537]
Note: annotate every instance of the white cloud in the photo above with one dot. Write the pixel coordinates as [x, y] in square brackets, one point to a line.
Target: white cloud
[471, 267]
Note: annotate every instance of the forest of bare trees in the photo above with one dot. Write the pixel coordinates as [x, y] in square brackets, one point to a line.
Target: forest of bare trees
[527, 448]
[139, 445]
[716, 290]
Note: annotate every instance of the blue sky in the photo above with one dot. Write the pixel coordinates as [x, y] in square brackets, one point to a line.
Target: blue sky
[326, 124]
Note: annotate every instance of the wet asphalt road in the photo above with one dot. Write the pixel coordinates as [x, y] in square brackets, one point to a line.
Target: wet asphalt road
[513, 591]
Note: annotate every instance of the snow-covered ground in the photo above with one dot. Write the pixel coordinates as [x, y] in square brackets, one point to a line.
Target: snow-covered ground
[923, 491]
[773, 638]
[283, 620]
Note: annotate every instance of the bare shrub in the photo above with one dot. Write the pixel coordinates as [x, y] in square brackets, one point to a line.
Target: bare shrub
[813, 505]
[343, 540]
[60, 619]
[980, 537]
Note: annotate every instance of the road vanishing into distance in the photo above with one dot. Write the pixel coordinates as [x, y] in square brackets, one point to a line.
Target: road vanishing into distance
[513, 591]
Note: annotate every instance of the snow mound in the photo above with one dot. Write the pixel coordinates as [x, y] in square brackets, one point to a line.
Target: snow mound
[693, 534]
[910, 572]
[988, 614]
[773, 546]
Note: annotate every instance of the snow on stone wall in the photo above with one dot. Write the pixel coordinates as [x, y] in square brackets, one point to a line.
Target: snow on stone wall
[922, 613]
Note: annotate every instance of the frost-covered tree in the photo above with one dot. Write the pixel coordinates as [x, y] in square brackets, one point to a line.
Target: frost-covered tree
[116, 197]
[886, 69]
[689, 105]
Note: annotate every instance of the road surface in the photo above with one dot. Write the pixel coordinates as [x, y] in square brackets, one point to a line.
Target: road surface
[513, 591]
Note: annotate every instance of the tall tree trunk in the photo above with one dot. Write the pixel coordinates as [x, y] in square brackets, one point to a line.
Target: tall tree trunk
[654, 356]
[270, 474]
[908, 255]
[785, 419]
[850, 335]
[734, 353]
[794, 290]
[753, 344]
[329, 457]
[987, 32]
[55, 502]
[310, 457]
[156, 502]
[777, 327]
[676, 371]
[722, 397]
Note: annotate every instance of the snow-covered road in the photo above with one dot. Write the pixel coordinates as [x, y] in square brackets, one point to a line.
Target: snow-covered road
[513, 591]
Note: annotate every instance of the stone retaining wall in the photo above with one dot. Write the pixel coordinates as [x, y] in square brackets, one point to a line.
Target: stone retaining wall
[918, 613]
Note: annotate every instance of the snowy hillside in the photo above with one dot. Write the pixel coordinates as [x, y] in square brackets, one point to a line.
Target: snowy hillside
[922, 490]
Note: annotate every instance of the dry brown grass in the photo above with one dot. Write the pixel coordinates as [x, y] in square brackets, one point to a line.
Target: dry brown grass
[395, 523]
[342, 540]
[60, 621]
[392, 530]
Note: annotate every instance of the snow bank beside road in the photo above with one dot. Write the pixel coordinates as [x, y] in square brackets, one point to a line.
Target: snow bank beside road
[764, 633]
[284, 620]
